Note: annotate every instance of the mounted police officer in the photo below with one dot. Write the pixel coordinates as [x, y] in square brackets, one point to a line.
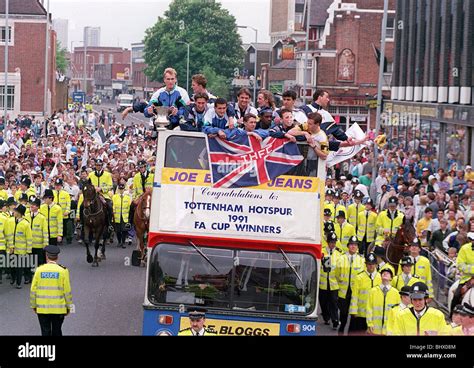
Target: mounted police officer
[388, 221]
[102, 180]
[197, 320]
[50, 295]
[63, 199]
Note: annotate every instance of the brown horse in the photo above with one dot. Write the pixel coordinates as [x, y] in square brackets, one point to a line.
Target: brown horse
[95, 222]
[396, 247]
[141, 221]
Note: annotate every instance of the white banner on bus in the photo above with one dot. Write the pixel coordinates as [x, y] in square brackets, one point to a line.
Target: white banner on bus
[284, 210]
[346, 153]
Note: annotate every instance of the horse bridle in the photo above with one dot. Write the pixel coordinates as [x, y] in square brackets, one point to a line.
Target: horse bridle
[143, 209]
[95, 198]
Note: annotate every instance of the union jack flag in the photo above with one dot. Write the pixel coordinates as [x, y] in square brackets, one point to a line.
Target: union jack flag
[246, 162]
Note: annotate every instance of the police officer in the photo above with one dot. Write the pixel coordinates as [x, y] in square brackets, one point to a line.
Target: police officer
[39, 230]
[420, 319]
[50, 295]
[329, 205]
[63, 199]
[354, 209]
[197, 320]
[348, 267]
[102, 180]
[121, 206]
[11, 205]
[25, 188]
[405, 278]
[343, 229]
[405, 302]
[421, 266]
[388, 221]
[142, 180]
[3, 243]
[338, 207]
[3, 192]
[366, 232]
[328, 286]
[379, 303]
[364, 282]
[19, 242]
[54, 217]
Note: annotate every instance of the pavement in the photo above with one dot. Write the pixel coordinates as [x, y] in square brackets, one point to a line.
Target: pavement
[108, 299]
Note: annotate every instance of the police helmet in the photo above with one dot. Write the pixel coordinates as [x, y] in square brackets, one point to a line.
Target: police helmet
[98, 161]
[23, 197]
[25, 180]
[328, 227]
[58, 181]
[353, 240]
[327, 212]
[405, 290]
[331, 237]
[370, 202]
[393, 201]
[389, 270]
[141, 163]
[415, 243]
[370, 259]
[419, 290]
[358, 194]
[341, 214]
[406, 261]
[329, 192]
[379, 251]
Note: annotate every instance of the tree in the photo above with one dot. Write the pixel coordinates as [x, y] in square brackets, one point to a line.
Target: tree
[216, 84]
[61, 61]
[211, 32]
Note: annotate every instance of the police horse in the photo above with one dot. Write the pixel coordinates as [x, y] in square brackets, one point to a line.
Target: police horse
[141, 222]
[396, 247]
[95, 223]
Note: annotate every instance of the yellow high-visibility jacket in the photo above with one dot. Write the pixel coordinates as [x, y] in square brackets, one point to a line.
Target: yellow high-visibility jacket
[392, 316]
[103, 181]
[3, 221]
[29, 192]
[331, 207]
[379, 306]
[362, 285]
[79, 204]
[431, 322]
[346, 274]
[63, 199]
[353, 212]
[337, 209]
[385, 266]
[398, 281]
[3, 194]
[189, 332]
[367, 220]
[121, 207]
[344, 233]
[51, 290]
[386, 226]
[329, 278]
[18, 235]
[39, 230]
[140, 181]
[422, 269]
[465, 262]
[54, 217]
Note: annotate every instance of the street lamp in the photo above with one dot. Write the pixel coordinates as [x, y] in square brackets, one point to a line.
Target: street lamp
[187, 67]
[255, 64]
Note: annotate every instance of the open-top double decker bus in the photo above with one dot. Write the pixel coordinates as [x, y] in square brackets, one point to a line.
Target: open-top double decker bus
[249, 255]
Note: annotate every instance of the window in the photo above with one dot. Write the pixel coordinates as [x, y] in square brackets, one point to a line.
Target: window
[101, 58]
[111, 58]
[353, 110]
[3, 34]
[252, 57]
[186, 153]
[10, 97]
[279, 53]
[298, 18]
[390, 27]
[236, 280]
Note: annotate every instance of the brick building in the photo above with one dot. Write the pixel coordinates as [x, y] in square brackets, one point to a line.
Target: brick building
[111, 66]
[433, 80]
[344, 59]
[141, 86]
[26, 58]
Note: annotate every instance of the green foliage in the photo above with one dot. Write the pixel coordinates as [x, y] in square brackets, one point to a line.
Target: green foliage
[209, 29]
[216, 84]
[61, 61]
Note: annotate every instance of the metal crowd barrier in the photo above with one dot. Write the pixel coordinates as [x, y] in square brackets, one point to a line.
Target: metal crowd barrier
[441, 282]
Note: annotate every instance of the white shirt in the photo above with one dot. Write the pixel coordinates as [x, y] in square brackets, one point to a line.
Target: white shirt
[420, 314]
[388, 287]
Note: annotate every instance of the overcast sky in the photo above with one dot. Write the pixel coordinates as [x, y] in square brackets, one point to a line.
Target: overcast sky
[123, 22]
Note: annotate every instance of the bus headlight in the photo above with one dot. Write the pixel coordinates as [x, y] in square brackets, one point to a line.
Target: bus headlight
[163, 333]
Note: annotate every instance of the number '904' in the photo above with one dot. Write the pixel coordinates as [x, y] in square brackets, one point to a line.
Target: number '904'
[309, 328]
